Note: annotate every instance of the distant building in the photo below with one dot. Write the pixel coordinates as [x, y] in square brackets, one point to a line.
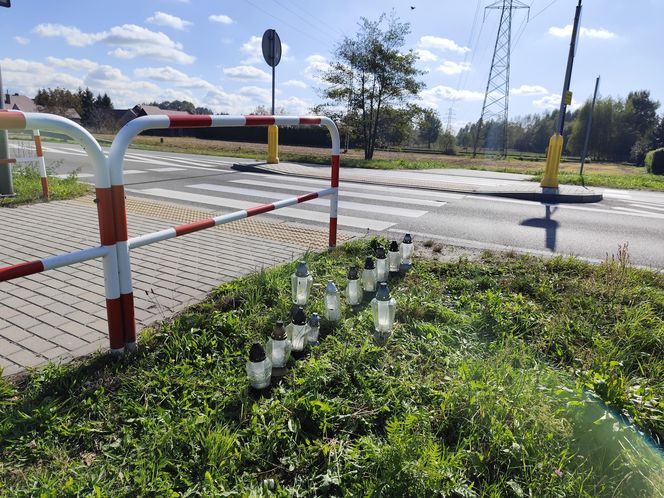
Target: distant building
[18, 102]
[147, 110]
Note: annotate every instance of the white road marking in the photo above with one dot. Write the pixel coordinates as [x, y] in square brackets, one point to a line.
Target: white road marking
[297, 213]
[165, 170]
[345, 193]
[420, 193]
[353, 206]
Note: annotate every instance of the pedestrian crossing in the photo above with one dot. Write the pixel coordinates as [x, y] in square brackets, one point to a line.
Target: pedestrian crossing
[385, 210]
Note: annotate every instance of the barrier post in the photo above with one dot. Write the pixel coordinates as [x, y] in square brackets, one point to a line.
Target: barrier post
[273, 144]
[41, 164]
[16, 120]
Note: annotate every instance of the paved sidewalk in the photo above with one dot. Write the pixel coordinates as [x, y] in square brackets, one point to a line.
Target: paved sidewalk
[450, 180]
[60, 314]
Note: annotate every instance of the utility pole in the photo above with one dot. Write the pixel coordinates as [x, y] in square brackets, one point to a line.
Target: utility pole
[6, 185]
[589, 127]
[555, 150]
[497, 94]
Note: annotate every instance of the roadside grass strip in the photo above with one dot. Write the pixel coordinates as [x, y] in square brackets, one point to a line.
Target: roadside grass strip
[28, 188]
[505, 375]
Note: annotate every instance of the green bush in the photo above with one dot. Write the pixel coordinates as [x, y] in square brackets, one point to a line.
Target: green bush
[655, 161]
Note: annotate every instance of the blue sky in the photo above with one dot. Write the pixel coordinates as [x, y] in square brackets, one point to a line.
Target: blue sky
[208, 51]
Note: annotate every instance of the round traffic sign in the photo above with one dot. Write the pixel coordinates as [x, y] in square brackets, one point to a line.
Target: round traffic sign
[271, 47]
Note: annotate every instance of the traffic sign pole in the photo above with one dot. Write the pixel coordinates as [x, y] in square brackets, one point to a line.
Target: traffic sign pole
[271, 46]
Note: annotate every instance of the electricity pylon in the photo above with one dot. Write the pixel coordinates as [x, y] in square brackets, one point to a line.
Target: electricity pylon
[497, 95]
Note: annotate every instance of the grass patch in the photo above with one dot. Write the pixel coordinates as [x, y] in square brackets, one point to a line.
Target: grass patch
[28, 189]
[479, 392]
[643, 181]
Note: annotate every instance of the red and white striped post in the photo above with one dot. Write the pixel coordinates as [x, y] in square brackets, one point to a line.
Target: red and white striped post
[41, 164]
[116, 161]
[16, 120]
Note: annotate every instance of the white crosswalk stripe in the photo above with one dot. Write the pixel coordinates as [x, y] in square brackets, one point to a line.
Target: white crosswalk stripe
[352, 206]
[419, 193]
[301, 212]
[165, 170]
[345, 193]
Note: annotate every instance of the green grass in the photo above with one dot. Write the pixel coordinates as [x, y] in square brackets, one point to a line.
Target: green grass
[645, 181]
[479, 392]
[28, 189]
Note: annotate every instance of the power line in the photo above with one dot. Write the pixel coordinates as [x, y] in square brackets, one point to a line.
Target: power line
[549, 5]
[325, 27]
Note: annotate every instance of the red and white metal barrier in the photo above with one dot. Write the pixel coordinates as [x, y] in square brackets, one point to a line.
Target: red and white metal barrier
[39, 159]
[116, 160]
[111, 209]
[16, 120]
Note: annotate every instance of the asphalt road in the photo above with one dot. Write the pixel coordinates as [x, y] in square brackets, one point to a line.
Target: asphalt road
[592, 231]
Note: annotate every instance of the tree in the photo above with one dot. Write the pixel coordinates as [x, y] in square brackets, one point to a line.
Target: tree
[429, 126]
[87, 99]
[58, 101]
[371, 73]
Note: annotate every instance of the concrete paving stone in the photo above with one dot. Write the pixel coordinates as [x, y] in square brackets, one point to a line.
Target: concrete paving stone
[96, 335]
[69, 341]
[74, 290]
[36, 344]
[44, 331]
[14, 334]
[76, 329]
[32, 310]
[12, 302]
[22, 293]
[8, 348]
[83, 317]
[23, 321]
[41, 301]
[56, 353]
[101, 315]
[6, 311]
[53, 319]
[63, 309]
[91, 348]
[89, 307]
[26, 358]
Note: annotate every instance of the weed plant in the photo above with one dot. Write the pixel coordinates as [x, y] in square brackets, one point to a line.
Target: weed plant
[480, 391]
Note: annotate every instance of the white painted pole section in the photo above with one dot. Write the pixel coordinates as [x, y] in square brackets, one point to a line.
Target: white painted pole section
[58, 124]
[42, 164]
[28, 160]
[151, 238]
[227, 218]
[334, 133]
[71, 258]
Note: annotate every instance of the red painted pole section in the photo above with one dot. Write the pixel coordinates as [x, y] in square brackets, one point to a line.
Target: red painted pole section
[114, 314]
[264, 208]
[190, 121]
[194, 227]
[307, 197]
[335, 171]
[44, 184]
[259, 120]
[21, 270]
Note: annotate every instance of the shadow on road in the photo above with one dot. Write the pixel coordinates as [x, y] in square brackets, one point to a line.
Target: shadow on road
[549, 225]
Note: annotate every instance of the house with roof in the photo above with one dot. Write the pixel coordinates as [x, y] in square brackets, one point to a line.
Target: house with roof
[18, 102]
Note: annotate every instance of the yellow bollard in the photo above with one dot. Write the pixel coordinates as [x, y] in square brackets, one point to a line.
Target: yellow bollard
[553, 155]
[273, 144]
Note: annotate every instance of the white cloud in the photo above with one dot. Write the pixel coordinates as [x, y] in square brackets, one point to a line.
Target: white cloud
[221, 101]
[426, 55]
[550, 102]
[566, 32]
[295, 83]
[442, 44]
[170, 75]
[254, 50]
[529, 90]
[163, 19]
[264, 95]
[132, 41]
[451, 67]
[246, 73]
[26, 77]
[221, 18]
[73, 64]
[21, 40]
[296, 106]
[72, 35]
[434, 95]
[316, 65]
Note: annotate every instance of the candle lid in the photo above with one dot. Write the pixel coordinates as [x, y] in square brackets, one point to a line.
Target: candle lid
[279, 333]
[369, 263]
[256, 353]
[299, 318]
[302, 269]
[407, 239]
[394, 247]
[352, 273]
[383, 293]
